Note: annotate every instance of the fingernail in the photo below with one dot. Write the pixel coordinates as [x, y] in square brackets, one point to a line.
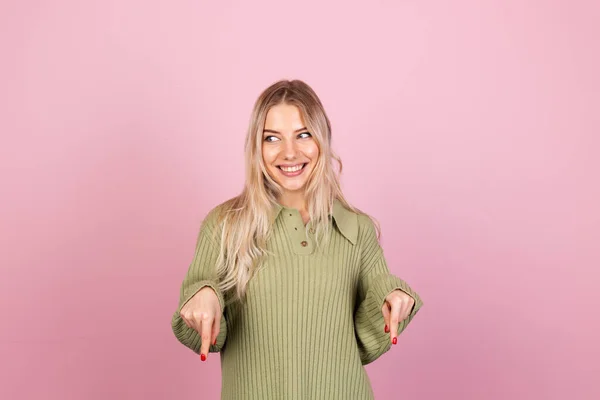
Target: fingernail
[386, 329]
[202, 357]
[394, 340]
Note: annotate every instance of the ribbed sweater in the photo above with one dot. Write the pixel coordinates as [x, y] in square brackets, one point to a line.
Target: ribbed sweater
[312, 317]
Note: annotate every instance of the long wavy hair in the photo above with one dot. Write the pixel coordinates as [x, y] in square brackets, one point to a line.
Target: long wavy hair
[245, 221]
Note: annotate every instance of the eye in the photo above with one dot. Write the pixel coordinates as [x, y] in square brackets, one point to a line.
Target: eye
[306, 133]
[270, 136]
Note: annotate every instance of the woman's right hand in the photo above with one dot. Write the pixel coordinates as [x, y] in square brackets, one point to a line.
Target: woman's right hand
[203, 314]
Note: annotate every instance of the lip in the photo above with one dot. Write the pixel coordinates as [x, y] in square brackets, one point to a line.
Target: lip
[291, 165]
[291, 174]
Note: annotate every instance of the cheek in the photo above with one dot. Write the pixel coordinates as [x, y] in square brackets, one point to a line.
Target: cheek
[268, 156]
[312, 151]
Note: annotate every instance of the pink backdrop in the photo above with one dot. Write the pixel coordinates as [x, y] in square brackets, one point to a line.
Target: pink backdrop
[469, 129]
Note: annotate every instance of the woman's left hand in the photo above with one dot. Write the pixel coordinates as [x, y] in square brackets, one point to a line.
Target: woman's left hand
[396, 308]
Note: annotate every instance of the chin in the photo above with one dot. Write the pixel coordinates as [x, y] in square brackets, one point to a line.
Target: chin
[294, 188]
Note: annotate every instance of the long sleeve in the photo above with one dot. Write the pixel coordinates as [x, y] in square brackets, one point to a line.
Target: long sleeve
[374, 284]
[201, 273]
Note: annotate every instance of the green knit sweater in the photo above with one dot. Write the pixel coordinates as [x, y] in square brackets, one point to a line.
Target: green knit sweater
[312, 317]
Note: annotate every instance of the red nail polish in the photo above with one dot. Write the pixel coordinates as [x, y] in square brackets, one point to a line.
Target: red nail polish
[394, 340]
[202, 357]
[386, 330]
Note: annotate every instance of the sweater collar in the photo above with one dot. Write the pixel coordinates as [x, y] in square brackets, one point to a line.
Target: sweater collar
[345, 220]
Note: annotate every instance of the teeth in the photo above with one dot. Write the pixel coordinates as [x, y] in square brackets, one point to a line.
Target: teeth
[291, 169]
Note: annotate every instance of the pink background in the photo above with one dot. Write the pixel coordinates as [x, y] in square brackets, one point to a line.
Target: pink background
[469, 129]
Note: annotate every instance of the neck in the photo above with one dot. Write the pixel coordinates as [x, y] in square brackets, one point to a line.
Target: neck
[293, 200]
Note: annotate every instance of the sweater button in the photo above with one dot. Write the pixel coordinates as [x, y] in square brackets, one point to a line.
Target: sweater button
[303, 243]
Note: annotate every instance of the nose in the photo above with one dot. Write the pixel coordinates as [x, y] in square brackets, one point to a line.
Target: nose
[290, 150]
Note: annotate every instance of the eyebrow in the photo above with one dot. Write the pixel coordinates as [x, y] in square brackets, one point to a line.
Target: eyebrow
[272, 131]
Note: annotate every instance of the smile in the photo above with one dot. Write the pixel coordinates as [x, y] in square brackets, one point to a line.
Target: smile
[292, 171]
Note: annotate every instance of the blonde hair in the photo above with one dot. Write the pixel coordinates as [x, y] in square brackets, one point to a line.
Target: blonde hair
[245, 221]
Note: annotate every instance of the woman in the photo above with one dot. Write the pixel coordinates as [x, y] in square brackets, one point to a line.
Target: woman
[289, 282]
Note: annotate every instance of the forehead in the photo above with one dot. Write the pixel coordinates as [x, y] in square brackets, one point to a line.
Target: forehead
[284, 117]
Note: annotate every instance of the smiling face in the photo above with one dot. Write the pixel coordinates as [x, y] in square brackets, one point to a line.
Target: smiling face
[289, 151]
